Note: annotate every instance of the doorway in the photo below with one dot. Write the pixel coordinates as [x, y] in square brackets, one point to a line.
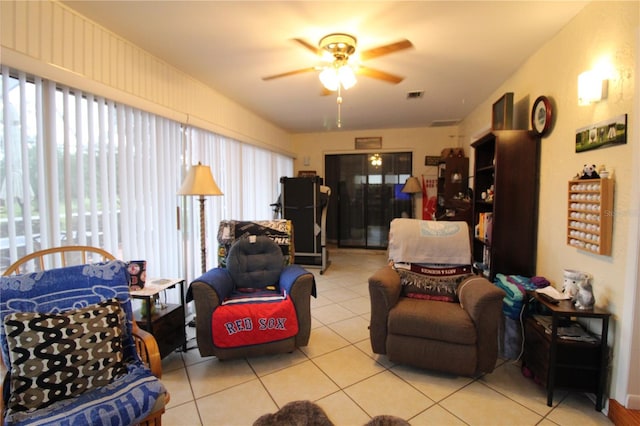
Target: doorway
[365, 196]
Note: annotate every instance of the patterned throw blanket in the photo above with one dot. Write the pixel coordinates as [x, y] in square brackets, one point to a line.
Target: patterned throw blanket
[279, 230]
[425, 241]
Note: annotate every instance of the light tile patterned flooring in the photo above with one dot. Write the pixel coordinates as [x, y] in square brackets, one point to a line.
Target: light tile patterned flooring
[338, 371]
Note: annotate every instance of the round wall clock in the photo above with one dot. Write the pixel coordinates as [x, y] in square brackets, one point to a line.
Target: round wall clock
[541, 116]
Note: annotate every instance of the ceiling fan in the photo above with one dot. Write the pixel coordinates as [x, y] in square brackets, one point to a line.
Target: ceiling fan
[338, 51]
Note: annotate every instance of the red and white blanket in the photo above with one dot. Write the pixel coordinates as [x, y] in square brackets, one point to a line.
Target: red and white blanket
[251, 319]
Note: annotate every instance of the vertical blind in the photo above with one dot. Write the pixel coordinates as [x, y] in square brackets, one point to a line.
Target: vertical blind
[248, 177]
[80, 169]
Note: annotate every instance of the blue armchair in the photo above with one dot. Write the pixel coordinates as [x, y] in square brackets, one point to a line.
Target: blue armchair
[255, 306]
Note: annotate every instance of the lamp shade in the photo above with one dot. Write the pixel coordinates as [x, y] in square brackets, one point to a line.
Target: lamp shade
[592, 87]
[333, 76]
[199, 181]
[412, 185]
[347, 76]
[329, 79]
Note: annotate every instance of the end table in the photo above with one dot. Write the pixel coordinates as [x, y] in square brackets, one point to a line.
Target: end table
[167, 323]
[567, 364]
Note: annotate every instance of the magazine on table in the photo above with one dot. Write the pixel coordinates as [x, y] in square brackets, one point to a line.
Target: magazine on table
[570, 330]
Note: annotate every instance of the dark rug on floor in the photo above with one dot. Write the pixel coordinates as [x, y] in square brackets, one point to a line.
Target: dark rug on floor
[306, 413]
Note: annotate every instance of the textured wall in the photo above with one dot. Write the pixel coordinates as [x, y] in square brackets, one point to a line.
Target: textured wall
[604, 32]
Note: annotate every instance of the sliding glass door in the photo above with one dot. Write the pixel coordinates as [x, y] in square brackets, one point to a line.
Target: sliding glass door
[366, 196]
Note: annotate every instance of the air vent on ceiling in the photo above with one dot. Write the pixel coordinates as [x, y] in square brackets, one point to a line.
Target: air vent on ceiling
[415, 94]
[444, 123]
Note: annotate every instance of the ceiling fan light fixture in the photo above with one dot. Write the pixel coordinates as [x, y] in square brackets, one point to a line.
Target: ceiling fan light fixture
[347, 76]
[338, 50]
[339, 45]
[331, 77]
[375, 160]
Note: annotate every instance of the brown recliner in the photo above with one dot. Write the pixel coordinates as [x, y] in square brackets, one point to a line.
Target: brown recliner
[453, 337]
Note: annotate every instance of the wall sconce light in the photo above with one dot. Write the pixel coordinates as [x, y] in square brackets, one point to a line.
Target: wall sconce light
[592, 87]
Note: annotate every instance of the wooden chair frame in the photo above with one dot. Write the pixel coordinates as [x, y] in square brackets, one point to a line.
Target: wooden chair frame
[145, 343]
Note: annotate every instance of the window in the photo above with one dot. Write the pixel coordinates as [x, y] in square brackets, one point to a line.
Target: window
[76, 168]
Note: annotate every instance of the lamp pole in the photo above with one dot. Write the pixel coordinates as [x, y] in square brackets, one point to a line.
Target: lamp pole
[203, 246]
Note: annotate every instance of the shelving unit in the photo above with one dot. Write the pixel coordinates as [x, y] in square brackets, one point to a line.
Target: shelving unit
[589, 216]
[453, 182]
[506, 162]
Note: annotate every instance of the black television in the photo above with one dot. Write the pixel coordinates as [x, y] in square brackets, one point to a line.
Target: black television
[398, 194]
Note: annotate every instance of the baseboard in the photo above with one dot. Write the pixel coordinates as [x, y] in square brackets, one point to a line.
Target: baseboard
[633, 402]
[621, 416]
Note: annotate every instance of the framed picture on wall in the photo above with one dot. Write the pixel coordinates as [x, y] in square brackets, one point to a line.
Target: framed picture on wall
[604, 134]
[369, 143]
[502, 113]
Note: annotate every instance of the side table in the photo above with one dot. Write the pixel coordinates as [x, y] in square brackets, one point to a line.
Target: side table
[561, 363]
[167, 323]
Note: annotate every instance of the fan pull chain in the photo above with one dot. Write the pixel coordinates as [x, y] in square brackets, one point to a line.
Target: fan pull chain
[339, 102]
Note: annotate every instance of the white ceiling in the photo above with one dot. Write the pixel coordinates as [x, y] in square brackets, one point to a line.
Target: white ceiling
[463, 50]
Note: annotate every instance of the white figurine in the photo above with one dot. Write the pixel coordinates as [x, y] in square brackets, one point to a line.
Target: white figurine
[570, 287]
[584, 298]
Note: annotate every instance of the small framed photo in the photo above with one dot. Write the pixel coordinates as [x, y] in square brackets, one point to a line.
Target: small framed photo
[369, 143]
[502, 113]
[608, 133]
[431, 160]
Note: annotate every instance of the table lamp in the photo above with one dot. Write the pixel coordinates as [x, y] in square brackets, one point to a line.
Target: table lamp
[412, 187]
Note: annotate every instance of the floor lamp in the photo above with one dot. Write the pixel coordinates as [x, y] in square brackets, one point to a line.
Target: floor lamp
[199, 181]
[412, 187]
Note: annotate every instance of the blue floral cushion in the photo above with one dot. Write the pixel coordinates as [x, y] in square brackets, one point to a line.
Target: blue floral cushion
[127, 399]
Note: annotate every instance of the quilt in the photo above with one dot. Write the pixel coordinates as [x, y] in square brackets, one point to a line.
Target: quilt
[279, 230]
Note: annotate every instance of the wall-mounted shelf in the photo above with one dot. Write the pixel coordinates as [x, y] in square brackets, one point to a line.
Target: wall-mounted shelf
[590, 215]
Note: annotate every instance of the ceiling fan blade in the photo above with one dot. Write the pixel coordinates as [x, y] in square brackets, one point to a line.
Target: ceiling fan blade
[315, 49]
[385, 50]
[380, 75]
[288, 73]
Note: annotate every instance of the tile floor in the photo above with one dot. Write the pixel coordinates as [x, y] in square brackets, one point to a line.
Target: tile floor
[340, 373]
